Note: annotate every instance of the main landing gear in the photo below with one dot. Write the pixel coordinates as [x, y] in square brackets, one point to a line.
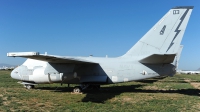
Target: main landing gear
[79, 89]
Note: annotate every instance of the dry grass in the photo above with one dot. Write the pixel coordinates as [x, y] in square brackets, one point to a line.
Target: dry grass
[195, 85]
[178, 93]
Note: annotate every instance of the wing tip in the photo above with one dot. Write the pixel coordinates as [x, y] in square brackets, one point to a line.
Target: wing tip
[183, 7]
[15, 54]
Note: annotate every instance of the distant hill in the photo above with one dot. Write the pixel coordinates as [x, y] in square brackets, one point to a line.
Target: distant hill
[198, 69]
[7, 65]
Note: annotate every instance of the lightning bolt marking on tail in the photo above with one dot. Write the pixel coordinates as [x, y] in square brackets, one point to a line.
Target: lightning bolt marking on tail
[177, 29]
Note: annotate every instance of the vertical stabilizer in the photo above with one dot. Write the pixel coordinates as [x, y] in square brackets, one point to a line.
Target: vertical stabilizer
[177, 58]
[165, 36]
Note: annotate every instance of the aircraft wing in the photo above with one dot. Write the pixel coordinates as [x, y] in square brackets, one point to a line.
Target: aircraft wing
[48, 58]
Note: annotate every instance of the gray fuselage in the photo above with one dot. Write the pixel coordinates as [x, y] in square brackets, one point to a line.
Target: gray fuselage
[107, 71]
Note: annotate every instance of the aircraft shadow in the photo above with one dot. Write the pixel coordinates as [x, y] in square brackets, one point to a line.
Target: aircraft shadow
[151, 80]
[56, 89]
[109, 92]
[148, 81]
[106, 93]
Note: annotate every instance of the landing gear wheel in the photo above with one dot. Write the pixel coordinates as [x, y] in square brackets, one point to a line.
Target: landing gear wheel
[30, 86]
[77, 89]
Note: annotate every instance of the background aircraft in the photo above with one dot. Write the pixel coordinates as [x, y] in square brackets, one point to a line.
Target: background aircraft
[6, 68]
[188, 72]
[152, 56]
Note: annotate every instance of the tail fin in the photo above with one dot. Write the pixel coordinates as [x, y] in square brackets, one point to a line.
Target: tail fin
[165, 36]
[177, 58]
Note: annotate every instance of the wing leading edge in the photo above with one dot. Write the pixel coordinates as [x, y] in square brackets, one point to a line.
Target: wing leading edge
[48, 58]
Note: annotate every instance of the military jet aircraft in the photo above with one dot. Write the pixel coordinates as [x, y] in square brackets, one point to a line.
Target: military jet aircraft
[188, 72]
[152, 56]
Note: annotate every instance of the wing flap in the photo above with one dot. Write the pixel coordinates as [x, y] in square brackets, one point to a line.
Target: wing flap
[48, 58]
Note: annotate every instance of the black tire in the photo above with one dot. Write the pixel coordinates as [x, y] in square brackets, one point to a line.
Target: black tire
[96, 87]
[33, 86]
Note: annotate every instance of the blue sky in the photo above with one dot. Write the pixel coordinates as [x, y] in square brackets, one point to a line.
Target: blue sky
[84, 27]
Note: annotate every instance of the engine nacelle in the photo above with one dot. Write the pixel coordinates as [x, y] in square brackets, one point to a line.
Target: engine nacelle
[39, 76]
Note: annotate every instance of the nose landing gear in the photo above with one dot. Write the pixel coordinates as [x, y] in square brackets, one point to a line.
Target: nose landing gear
[29, 86]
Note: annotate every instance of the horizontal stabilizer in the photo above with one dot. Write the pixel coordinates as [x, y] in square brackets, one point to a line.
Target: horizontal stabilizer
[48, 58]
[159, 59]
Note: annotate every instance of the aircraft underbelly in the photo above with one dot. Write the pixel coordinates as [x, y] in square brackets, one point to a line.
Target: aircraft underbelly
[93, 73]
[141, 71]
[94, 79]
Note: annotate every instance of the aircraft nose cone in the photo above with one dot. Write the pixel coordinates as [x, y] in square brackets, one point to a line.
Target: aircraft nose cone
[15, 74]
